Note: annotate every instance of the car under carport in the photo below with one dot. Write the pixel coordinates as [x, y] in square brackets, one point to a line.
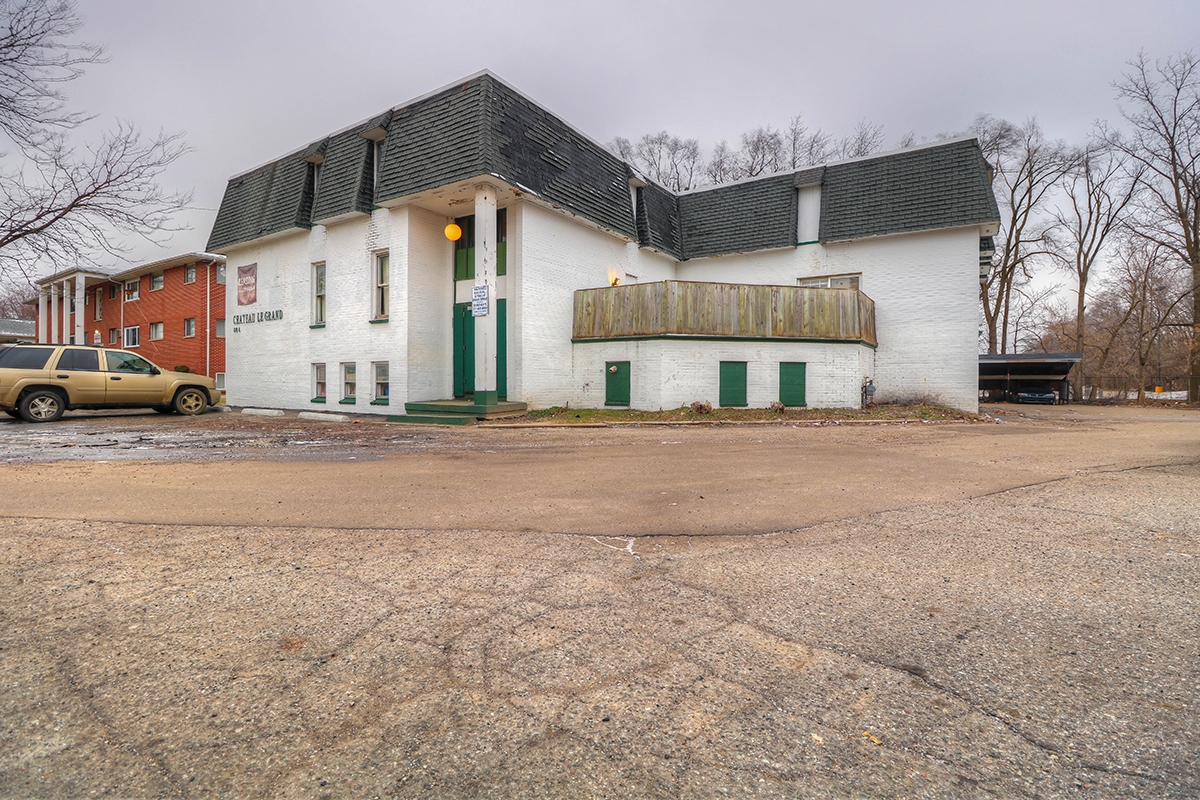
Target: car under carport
[1013, 375]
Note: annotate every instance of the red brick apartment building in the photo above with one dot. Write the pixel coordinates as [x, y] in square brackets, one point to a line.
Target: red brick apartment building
[171, 311]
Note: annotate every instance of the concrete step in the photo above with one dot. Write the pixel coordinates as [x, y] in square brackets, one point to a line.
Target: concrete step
[466, 407]
[432, 419]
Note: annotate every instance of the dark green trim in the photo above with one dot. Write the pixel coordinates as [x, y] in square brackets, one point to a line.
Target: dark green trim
[317, 325]
[320, 399]
[483, 399]
[690, 337]
[377, 320]
[346, 401]
[379, 401]
[814, 241]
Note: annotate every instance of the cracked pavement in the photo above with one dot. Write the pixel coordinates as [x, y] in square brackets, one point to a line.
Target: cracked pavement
[888, 611]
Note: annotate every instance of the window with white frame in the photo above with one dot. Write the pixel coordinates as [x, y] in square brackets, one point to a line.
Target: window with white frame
[220, 328]
[219, 378]
[189, 273]
[189, 327]
[133, 336]
[382, 386]
[112, 291]
[132, 289]
[220, 273]
[157, 281]
[156, 331]
[381, 285]
[349, 383]
[831, 282]
[318, 316]
[98, 312]
[114, 335]
[319, 386]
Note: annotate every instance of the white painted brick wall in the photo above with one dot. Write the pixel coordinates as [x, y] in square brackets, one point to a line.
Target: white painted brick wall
[926, 292]
[669, 373]
[558, 255]
[270, 363]
[924, 287]
[429, 315]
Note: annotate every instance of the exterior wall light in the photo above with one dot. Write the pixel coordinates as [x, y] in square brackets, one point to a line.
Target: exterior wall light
[616, 281]
[453, 232]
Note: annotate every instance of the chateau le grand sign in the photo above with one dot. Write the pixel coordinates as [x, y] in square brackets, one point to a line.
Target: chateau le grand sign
[258, 316]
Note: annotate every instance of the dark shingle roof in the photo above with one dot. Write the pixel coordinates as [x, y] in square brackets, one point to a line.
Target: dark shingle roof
[435, 141]
[941, 186]
[752, 215]
[528, 146]
[658, 220]
[482, 127]
[346, 175]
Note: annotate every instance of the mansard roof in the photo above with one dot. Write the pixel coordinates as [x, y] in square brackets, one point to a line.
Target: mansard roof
[483, 127]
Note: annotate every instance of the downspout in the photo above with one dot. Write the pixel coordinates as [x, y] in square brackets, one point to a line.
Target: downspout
[207, 317]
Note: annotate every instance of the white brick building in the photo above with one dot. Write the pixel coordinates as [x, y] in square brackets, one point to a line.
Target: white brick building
[597, 287]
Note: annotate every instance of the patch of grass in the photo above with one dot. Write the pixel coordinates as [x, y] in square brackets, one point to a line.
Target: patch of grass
[880, 412]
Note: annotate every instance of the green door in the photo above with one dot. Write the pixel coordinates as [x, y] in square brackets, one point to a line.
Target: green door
[616, 383]
[464, 349]
[502, 349]
[733, 383]
[791, 383]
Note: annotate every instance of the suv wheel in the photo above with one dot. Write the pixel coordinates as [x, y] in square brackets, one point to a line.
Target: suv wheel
[190, 401]
[42, 405]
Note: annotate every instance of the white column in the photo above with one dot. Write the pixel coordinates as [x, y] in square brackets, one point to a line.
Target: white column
[43, 315]
[81, 317]
[65, 329]
[54, 313]
[485, 275]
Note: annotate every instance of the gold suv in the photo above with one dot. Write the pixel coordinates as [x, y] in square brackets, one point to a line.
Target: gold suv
[38, 382]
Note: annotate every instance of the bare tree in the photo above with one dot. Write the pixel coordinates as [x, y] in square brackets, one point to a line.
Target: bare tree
[866, 139]
[762, 152]
[1163, 114]
[665, 159]
[1156, 290]
[1096, 194]
[723, 166]
[1027, 169]
[15, 302]
[1033, 307]
[806, 148]
[58, 202]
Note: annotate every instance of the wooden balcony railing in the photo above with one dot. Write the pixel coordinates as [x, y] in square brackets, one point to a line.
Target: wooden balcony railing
[723, 310]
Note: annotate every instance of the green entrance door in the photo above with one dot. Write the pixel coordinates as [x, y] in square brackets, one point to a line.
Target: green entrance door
[464, 350]
[791, 383]
[616, 383]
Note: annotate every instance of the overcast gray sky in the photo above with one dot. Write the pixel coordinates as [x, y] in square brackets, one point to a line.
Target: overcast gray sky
[250, 80]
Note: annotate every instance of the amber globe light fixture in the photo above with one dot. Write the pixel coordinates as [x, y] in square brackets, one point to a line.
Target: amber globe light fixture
[453, 232]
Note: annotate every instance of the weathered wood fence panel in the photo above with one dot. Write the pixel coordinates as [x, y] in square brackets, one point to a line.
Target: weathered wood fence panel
[734, 310]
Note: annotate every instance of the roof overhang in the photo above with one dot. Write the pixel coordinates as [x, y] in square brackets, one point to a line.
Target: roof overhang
[997, 369]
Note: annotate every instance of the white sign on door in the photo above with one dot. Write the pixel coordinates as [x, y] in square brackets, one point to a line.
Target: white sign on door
[479, 301]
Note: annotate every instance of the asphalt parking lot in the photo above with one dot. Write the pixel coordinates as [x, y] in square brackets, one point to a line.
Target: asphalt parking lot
[227, 606]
